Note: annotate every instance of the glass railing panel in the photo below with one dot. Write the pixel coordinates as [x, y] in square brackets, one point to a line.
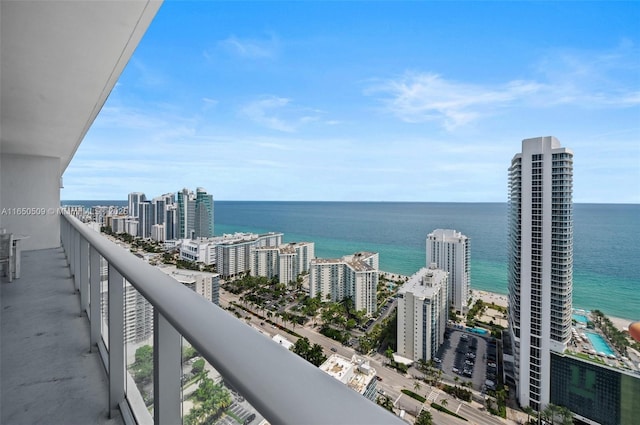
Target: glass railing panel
[138, 346]
[104, 301]
[208, 398]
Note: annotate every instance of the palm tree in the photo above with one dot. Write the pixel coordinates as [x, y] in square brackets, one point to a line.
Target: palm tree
[424, 418]
[444, 402]
[416, 385]
[566, 417]
[529, 411]
[456, 380]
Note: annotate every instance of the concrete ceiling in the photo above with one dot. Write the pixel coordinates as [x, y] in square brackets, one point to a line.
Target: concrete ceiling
[59, 60]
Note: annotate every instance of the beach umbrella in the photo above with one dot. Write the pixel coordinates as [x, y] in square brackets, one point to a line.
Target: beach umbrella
[634, 330]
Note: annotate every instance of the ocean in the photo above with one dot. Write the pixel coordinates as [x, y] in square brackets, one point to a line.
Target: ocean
[606, 246]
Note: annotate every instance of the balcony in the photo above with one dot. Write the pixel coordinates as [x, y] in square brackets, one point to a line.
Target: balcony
[63, 360]
[49, 374]
[58, 348]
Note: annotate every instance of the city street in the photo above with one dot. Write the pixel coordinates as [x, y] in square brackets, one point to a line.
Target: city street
[391, 382]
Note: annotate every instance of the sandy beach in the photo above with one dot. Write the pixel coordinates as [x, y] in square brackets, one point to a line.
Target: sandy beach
[502, 300]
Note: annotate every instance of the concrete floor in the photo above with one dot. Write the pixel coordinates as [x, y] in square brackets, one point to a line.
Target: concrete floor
[47, 373]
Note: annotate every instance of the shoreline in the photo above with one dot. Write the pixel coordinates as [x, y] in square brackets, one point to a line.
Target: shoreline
[502, 300]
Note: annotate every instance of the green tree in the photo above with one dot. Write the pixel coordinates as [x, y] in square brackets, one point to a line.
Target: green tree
[312, 354]
[424, 418]
[316, 355]
[385, 402]
[416, 385]
[143, 365]
[389, 353]
[188, 353]
[565, 415]
[198, 366]
[529, 411]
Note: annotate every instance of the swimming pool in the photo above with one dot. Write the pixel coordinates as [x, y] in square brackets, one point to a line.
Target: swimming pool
[479, 331]
[599, 344]
[580, 318]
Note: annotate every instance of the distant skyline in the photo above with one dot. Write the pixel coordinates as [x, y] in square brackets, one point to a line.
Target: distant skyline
[368, 101]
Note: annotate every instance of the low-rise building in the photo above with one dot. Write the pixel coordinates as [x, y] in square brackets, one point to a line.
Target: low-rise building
[356, 373]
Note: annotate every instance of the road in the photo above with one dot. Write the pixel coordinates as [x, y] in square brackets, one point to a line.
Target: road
[392, 382]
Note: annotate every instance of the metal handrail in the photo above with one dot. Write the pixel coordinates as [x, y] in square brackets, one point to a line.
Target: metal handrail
[282, 386]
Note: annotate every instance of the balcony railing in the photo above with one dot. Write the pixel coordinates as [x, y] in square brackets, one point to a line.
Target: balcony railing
[283, 387]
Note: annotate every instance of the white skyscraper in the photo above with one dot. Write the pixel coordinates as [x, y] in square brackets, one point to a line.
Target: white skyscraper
[422, 313]
[185, 217]
[450, 251]
[540, 262]
[134, 200]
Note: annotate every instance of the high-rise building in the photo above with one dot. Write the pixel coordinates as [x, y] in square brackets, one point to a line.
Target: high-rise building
[170, 222]
[285, 261]
[203, 225]
[422, 313]
[233, 253]
[159, 209]
[540, 263]
[134, 199]
[352, 276]
[145, 219]
[450, 251]
[186, 212]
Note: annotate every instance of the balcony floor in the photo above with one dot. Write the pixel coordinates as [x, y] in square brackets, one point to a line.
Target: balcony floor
[48, 374]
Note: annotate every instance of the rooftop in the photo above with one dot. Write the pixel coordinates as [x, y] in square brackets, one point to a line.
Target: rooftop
[356, 373]
[356, 261]
[422, 282]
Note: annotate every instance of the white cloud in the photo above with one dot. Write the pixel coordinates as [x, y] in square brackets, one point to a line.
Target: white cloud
[209, 103]
[581, 79]
[424, 97]
[250, 48]
[278, 113]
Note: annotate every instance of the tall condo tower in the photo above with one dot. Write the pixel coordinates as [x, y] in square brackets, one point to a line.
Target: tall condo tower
[540, 249]
[134, 200]
[450, 251]
[422, 313]
[203, 214]
[186, 214]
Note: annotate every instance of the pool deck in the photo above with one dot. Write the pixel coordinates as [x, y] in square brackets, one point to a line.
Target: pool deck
[585, 349]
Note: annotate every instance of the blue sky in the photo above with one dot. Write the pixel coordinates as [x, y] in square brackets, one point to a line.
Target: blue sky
[368, 101]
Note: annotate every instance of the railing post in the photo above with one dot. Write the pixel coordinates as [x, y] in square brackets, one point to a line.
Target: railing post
[84, 276]
[76, 260]
[116, 340]
[63, 231]
[71, 250]
[95, 317]
[167, 371]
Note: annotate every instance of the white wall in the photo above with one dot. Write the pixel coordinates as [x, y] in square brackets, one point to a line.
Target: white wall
[30, 199]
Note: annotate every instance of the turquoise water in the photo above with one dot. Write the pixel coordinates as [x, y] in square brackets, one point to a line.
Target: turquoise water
[479, 331]
[606, 251]
[599, 344]
[580, 318]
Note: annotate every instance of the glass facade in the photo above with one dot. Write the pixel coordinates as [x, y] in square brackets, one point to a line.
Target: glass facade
[598, 393]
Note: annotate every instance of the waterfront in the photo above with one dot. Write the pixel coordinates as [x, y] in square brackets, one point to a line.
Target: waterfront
[605, 251]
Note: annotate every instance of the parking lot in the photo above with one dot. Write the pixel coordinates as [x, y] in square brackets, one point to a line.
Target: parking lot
[465, 355]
